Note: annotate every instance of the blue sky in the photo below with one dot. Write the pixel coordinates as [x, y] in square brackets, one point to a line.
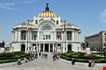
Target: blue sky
[90, 15]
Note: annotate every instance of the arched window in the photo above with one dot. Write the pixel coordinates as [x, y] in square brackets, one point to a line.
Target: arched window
[57, 22]
[36, 21]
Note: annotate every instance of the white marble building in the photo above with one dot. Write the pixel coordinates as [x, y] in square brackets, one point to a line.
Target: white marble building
[46, 32]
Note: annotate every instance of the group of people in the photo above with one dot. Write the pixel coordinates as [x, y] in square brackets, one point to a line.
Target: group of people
[55, 57]
[56, 54]
[28, 59]
[91, 63]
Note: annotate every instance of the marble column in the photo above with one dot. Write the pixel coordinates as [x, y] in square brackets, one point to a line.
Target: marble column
[49, 47]
[38, 35]
[13, 35]
[53, 48]
[73, 36]
[19, 35]
[38, 47]
[43, 47]
[29, 35]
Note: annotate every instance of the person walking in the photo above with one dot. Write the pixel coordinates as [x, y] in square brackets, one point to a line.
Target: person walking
[93, 63]
[89, 63]
[73, 61]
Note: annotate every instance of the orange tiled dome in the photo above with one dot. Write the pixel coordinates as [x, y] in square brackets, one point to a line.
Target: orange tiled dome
[47, 13]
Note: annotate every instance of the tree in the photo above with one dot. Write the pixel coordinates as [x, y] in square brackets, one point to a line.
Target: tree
[3, 44]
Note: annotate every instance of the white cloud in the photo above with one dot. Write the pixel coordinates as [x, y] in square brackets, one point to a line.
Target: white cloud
[7, 6]
[103, 16]
[28, 1]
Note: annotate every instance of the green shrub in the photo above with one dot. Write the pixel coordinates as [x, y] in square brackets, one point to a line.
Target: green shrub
[7, 61]
[11, 57]
[79, 57]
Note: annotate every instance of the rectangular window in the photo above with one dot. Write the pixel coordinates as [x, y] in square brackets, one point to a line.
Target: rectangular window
[105, 39]
[58, 35]
[41, 47]
[46, 37]
[34, 35]
[23, 35]
[57, 22]
[69, 35]
[36, 21]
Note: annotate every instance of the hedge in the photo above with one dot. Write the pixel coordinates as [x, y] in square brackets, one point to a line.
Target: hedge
[12, 57]
[79, 57]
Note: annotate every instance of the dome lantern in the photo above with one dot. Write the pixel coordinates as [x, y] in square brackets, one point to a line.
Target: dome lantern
[47, 7]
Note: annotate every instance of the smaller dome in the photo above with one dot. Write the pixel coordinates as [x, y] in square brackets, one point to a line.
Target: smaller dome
[47, 13]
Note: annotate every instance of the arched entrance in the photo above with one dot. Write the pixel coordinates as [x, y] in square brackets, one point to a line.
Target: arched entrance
[23, 48]
[69, 47]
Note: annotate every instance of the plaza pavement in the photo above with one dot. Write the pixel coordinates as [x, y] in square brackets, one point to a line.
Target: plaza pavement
[48, 64]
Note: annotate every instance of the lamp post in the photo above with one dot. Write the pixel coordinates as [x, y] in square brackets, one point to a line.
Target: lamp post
[104, 50]
[64, 32]
[28, 29]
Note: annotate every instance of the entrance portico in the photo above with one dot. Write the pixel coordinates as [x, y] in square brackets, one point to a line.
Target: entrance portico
[46, 47]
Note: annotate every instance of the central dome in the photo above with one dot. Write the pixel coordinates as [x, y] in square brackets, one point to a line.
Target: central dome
[47, 13]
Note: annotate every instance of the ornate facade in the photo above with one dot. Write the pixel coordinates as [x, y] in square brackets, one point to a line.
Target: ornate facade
[46, 32]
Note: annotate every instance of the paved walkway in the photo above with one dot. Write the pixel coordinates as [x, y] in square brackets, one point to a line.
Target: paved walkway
[48, 64]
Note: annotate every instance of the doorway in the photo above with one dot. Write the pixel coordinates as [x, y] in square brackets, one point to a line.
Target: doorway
[46, 47]
[23, 48]
[69, 47]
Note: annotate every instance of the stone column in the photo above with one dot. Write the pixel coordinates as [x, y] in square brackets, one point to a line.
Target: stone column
[43, 47]
[29, 35]
[37, 45]
[19, 35]
[27, 39]
[13, 36]
[53, 48]
[38, 35]
[73, 36]
[49, 47]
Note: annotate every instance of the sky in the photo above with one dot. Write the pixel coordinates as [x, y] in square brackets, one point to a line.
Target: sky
[89, 15]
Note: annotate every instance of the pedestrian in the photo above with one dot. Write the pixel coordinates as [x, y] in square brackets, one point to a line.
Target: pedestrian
[73, 61]
[89, 63]
[19, 62]
[36, 55]
[39, 53]
[93, 63]
[54, 57]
